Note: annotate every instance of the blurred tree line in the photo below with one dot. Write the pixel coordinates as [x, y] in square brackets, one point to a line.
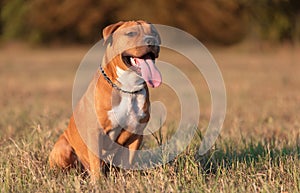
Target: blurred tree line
[218, 21]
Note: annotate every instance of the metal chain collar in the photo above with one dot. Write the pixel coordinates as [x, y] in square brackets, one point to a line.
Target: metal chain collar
[116, 86]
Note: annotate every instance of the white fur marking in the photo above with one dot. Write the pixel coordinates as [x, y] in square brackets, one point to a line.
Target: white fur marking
[130, 80]
[127, 114]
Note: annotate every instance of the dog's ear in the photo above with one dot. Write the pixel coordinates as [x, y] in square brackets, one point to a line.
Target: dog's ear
[109, 30]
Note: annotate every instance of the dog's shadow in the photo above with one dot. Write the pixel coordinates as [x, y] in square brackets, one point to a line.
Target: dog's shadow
[226, 157]
[251, 154]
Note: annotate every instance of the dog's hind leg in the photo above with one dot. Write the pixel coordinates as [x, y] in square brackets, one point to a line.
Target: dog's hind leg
[62, 155]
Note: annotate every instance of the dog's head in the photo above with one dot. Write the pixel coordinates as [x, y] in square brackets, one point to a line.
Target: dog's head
[135, 46]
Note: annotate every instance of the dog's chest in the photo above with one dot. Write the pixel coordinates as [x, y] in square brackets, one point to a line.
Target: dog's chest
[128, 111]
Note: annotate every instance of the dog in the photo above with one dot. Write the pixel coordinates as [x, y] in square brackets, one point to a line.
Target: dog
[115, 108]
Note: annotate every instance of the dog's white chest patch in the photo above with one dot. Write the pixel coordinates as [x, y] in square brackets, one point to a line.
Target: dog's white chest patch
[127, 114]
[130, 80]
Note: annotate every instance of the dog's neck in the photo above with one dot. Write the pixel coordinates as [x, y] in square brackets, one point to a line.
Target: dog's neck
[127, 81]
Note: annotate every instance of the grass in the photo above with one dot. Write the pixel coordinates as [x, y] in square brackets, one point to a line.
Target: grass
[258, 149]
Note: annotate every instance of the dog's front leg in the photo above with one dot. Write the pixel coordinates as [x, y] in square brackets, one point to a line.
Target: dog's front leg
[93, 153]
[133, 145]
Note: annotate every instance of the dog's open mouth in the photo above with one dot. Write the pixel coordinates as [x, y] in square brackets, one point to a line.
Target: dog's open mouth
[145, 67]
[133, 62]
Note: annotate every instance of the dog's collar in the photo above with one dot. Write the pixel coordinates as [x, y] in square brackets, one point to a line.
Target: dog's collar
[116, 86]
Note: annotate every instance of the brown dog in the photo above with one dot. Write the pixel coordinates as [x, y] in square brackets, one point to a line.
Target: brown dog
[116, 103]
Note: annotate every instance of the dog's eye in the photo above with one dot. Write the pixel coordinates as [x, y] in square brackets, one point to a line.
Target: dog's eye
[131, 34]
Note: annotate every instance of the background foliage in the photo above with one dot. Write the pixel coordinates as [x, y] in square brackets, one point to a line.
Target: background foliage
[219, 21]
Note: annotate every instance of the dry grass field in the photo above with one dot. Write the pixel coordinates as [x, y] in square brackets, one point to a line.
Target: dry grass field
[258, 149]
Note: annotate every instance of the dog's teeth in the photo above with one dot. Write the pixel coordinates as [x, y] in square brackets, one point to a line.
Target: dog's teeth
[132, 61]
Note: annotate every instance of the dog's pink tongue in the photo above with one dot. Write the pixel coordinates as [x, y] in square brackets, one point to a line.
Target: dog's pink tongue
[149, 72]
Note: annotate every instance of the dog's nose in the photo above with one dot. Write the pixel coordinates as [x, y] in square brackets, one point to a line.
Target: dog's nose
[151, 41]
